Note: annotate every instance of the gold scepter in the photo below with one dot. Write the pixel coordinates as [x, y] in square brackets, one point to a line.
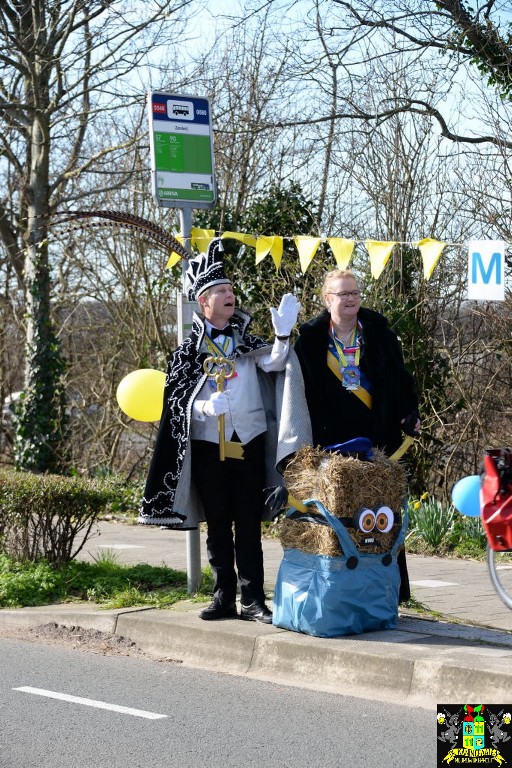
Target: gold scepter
[220, 368]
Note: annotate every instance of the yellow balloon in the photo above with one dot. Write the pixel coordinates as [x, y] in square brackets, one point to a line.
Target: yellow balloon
[140, 394]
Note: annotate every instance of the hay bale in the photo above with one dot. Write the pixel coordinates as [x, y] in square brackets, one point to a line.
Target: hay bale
[344, 485]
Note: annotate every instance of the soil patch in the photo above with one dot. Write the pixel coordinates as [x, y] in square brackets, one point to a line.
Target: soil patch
[92, 640]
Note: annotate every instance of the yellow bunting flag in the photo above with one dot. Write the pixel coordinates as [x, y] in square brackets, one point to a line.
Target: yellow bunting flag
[173, 260]
[242, 236]
[379, 253]
[272, 244]
[201, 238]
[307, 247]
[342, 250]
[430, 251]
[174, 257]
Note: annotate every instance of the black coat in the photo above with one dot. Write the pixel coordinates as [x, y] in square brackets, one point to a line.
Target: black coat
[336, 413]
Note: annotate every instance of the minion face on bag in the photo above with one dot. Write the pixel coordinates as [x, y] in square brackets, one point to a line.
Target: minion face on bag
[366, 496]
[372, 522]
[373, 528]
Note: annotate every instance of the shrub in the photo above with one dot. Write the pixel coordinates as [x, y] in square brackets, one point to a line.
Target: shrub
[49, 517]
[126, 502]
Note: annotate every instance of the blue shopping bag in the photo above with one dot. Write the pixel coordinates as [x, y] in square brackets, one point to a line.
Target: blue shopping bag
[333, 596]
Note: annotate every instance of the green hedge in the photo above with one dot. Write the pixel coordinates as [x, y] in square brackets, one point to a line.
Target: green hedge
[49, 516]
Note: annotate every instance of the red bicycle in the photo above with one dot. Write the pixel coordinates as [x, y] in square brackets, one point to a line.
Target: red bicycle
[496, 515]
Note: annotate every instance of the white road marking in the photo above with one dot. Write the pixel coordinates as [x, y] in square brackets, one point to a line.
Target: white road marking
[433, 583]
[90, 702]
[120, 546]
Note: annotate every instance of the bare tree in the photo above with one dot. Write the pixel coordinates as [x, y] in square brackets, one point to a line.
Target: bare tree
[117, 313]
[341, 98]
[461, 36]
[62, 64]
[248, 78]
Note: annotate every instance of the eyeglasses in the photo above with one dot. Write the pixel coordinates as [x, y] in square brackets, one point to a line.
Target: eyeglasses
[345, 294]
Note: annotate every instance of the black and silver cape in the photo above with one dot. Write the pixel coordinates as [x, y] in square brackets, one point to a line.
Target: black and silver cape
[170, 497]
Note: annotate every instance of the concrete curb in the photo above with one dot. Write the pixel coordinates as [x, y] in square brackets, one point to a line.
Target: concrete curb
[421, 663]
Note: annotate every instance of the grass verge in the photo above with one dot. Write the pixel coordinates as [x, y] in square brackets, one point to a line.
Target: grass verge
[104, 582]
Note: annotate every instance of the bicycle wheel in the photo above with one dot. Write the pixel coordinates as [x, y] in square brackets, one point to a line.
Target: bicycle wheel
[500, 571]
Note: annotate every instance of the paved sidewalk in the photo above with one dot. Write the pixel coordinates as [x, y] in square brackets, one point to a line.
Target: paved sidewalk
[425, 660]
[460, 589]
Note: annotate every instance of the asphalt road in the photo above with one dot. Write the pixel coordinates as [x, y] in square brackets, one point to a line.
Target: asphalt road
[60, 709]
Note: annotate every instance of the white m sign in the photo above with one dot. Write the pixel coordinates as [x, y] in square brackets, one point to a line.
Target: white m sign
[486, 270]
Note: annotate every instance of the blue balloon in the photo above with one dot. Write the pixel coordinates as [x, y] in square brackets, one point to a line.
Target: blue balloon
[466, 495]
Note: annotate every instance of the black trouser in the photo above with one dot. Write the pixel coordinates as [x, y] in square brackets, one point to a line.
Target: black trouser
[231, 493]
[405, 589]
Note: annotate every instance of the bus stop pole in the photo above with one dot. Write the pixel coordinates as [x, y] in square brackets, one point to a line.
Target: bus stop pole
[185, 311]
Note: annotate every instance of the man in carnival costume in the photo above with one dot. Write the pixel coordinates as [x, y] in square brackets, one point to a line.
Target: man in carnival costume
[262, 407]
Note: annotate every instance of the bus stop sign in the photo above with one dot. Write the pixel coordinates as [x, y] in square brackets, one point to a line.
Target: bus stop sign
[182, 167]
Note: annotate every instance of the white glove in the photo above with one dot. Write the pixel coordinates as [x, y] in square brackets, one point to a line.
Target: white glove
[216, 405]
[284, 318]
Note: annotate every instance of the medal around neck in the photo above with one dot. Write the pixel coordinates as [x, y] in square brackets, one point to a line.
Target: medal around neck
[351, 376]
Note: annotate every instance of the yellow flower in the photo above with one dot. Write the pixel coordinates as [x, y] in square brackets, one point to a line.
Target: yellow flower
[416, 505]
[424, 496]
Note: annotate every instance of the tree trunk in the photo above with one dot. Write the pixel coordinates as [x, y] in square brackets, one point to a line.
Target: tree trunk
[40, 417]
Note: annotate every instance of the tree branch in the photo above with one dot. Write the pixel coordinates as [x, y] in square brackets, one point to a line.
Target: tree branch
[408, 105]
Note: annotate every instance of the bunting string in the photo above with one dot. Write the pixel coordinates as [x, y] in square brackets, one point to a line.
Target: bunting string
[486, 258]
[379, 252]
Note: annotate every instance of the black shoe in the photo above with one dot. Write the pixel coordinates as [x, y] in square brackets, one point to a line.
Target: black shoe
[256, 612]
[218, 610]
